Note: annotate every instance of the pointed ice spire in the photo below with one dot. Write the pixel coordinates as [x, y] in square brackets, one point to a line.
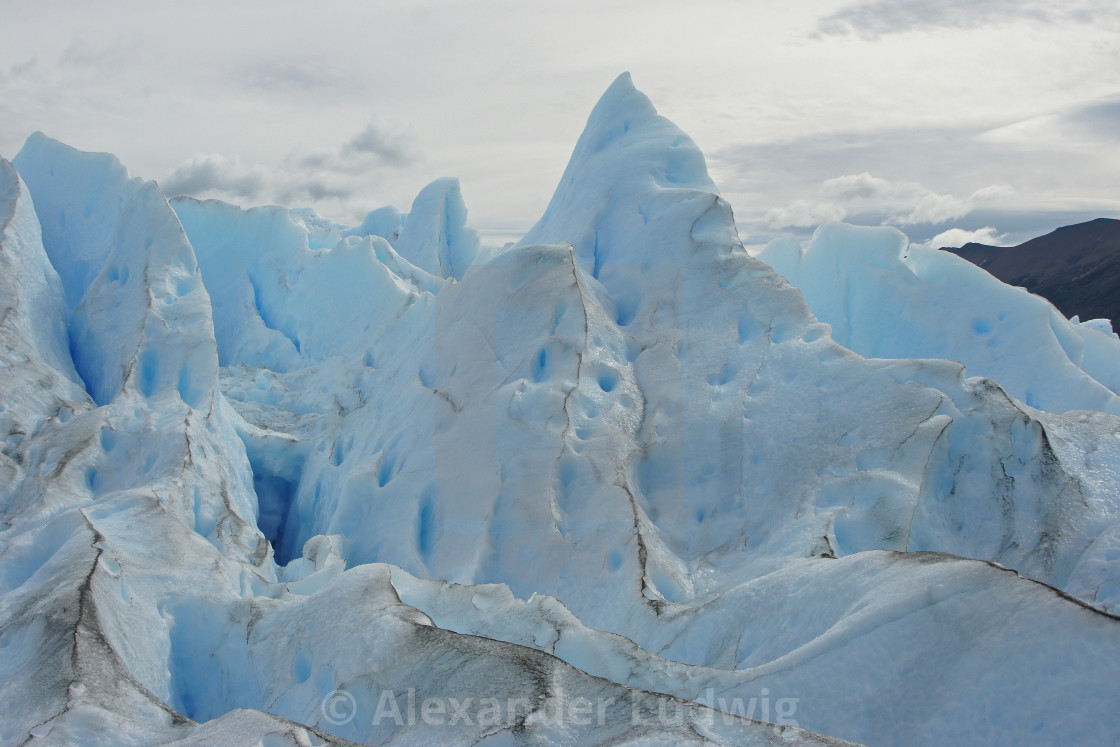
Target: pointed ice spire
[144, 323]
[633, 189]
[32, 311]
[78, 197]
[621, 107]
[636, 195]
[140, 317]
[435, 235]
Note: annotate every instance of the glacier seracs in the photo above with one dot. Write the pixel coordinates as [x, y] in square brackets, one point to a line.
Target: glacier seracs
[884, 297]
[269, 477]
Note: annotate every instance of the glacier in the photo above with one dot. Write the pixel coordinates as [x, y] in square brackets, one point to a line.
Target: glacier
[886, 298]
[272, 479]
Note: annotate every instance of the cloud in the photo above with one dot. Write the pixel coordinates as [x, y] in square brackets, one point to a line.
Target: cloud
[338, 179]
[996, 193]
[887, 175]
[1101, 117]
[871, 20]
[1092, 122]
[803, 164]
[20, 69]
[285, 75]
[215, 173]
[393, 148]
[374, 146]
[803, 214]
[81, 53]
[903, 203]
[931, 207]
[958, 237]
[857, 186]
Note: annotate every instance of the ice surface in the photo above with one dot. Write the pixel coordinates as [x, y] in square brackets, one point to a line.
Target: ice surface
[280, 304]
[1101, 325]
[887, 298]
[272, 479]
[385, 222]
[435, 236]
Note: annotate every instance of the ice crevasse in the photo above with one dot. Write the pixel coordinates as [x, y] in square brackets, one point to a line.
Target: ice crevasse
[262, 469]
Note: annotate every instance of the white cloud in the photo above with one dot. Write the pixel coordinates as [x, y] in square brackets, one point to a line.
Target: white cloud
[803, 214]
[856, 186]
[926, 206]
[994, 194]
[903, 203]
[958, 237]
[931, 207]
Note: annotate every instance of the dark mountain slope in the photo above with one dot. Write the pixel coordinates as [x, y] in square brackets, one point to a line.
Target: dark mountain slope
[1076, 267]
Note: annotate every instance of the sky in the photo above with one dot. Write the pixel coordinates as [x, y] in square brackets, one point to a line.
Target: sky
[954, 120]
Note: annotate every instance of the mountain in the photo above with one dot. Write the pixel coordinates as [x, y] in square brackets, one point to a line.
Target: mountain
[267, 479]
[1077, 268]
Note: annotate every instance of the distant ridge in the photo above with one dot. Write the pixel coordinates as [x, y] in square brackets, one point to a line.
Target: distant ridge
[1077, 268]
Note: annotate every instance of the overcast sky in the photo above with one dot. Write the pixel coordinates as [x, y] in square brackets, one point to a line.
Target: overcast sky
[989, 119]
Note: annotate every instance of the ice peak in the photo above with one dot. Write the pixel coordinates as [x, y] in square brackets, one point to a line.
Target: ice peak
[621, 94]
[31, 307]
[620, 105]
[435, 236]
[44, 146]
[633, 191]
[78, 197]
